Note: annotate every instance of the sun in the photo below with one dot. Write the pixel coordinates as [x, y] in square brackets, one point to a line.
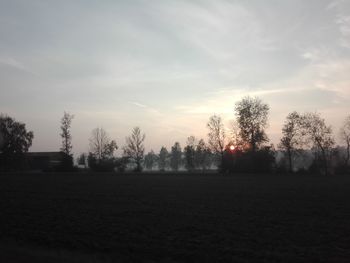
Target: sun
[232, 147]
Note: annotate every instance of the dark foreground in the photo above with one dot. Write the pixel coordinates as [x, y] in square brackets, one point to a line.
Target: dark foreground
[174, 218]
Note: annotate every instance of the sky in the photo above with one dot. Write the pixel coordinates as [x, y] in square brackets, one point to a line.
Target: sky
[167, 66]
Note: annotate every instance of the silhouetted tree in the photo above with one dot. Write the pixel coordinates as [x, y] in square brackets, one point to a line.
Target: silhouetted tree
[292, 139]
[121, 163]
[1, 140]
[15, 142]
[134, 148]
[82, 159]
[150, 160]
[345, 137]
[175, 156]
[66, 147]
[252, 116]
[235, 137]
[163, 159]
[217, 137]
[66, 135]
[189, 152]
[202, 155]
[320, 135]
[101, 146]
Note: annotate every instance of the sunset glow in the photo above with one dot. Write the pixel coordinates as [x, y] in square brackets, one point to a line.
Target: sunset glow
[167, 66]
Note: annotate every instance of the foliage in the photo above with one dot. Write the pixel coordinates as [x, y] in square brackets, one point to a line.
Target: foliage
[67, 161]
[100, 165]
[292, 140]
[163, 159]
[150, 160]
[202, 156]
[121, 163]
[175, 156]
[190, 153]
[252, 116]
[345, 137]
[15, 142]
[66, 136]
[260, 161]
[134, 148]
[82, 159]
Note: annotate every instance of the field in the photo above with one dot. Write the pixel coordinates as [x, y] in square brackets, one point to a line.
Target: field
[174, 218]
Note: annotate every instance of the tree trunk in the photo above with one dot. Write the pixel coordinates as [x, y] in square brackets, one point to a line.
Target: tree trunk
[325, 161]
[290, 160]
[348, 153]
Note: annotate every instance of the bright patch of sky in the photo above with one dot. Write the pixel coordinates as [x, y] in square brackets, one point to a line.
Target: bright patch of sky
[167, 66]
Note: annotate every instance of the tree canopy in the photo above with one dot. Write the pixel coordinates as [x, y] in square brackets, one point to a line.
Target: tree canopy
[15, 141]
[252, 117]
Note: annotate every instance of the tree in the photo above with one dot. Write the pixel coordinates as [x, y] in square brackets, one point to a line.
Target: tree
[292, 138]
[15, 142]
[66, 148]
[252, 116]
[82, 159]
[216, 136]
[66, 122]
[202, 155]
[175, 156]
[134, 148]
[235, 137]
[189, 152]
[320, 135]
[101, 146]
[345, 137]
[163, 159]
[150, 160]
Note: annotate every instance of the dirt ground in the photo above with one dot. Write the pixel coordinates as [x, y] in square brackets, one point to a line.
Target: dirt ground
[174, 218]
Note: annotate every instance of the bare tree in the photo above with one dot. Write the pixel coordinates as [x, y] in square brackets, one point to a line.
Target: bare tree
[66, 135]
[216, 136]
[134, 148]
[101, 146]
[345, 137]
[252, 117]
[292, 138]
[234, 135]
[320, 135]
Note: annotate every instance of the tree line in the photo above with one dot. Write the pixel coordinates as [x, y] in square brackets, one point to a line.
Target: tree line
[242, 147]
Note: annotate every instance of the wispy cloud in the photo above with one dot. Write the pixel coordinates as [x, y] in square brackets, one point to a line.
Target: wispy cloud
[168, 65]
[11, 62]
[139, 104]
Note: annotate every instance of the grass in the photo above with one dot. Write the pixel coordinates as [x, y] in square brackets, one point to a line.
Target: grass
[174, 218]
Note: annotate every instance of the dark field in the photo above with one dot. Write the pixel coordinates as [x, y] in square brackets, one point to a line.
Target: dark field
[174, 218]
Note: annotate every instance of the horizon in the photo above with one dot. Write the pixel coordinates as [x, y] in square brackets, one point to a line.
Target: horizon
[168, 66]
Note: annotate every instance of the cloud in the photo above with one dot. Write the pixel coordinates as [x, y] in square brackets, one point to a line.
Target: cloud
[168, 65]
[11, 62]
[139, 104]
